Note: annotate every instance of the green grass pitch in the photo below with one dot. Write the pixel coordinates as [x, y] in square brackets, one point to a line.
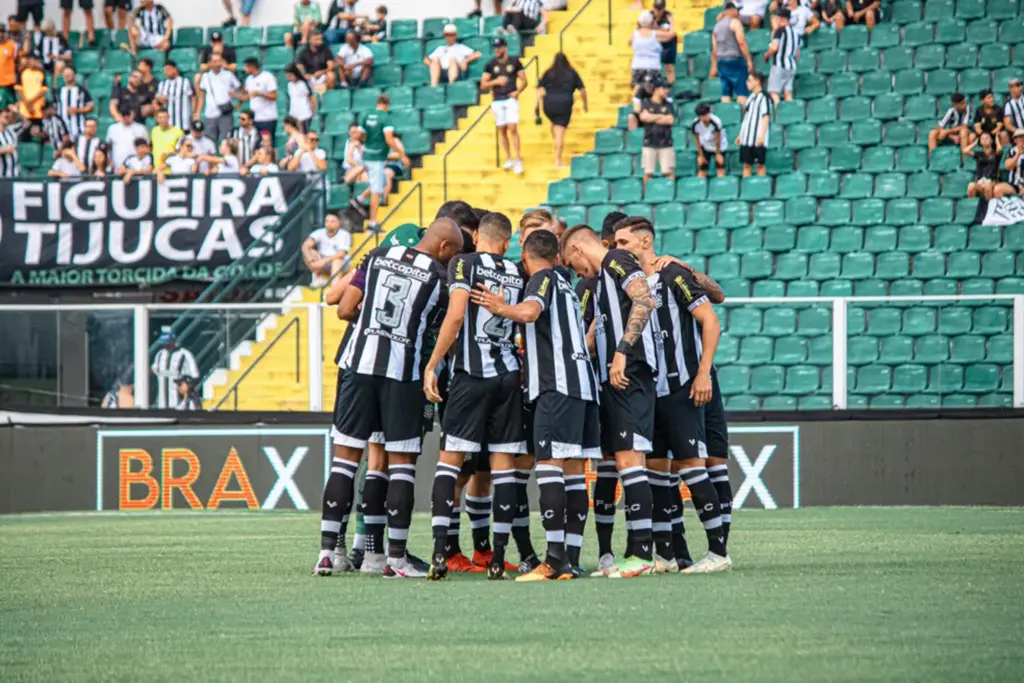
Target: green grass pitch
[903, 594]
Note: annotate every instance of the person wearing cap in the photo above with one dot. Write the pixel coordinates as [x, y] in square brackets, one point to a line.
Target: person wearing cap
[782, 53]
[217, 87]
[202, 144]
[1013, 163]
[217, 47]
[657, 115]
[730, 55]
[643, 90]
[165, 136]
[1013, 112]
[307, 19]
[152, 27]
[505, 78]
[316, 62]
[66, 6]
[355, 62]
[170, 363]
[521, 15]
[954, 126]
[711, 139]
[380, 137]
[452, 58]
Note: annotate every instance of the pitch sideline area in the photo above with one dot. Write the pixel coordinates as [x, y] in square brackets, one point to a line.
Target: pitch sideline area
[841, 594]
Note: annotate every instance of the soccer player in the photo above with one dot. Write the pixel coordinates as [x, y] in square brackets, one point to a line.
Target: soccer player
[690, 332]
[561, 381]
[405, 292]
[484, 403]
[628, 353]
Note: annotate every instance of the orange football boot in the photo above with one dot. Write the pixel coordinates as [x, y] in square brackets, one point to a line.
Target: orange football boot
[460, 563]
[482, 559]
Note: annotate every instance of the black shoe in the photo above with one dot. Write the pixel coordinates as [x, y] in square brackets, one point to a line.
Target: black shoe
[580, 571]
[529, 563]
[438, 568]
[684, 562]
[356, 558]
[496, 571]
[228, 23]
[416, 562]
[565, 572]
[475, 14]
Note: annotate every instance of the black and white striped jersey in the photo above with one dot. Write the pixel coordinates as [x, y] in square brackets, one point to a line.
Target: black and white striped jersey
[1015, 110]
[677, 294]
[404, 298]
[585, 293]
[619, 269]
[1016, 177]
[556, 343]
[789, 47]
[85, 148]
[179, 93]
[72, 97]
[486, 346]
[55, 130]
[248, 142]
[758, 106]
[152, 21]
[954, 118]
[9, 167]
[49, 48]
[530, 8]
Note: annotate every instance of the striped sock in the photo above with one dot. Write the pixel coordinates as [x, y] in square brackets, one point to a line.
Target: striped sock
[504, 507]
[375, 494]
[577, 505]
[442, 504]
[637, 491]
[604, 505]
[401, 497]
[661, 494]
[479, 511]
[705, 499]
[552, 506]
[521, 523]
[337, 501]
[720, 478]
[679, 548]
[452, 547]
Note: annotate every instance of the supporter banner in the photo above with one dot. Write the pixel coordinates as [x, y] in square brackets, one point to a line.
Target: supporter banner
[96, 233]
[1005, 211]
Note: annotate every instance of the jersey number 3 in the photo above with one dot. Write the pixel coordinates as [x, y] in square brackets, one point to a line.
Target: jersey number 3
[397, 290]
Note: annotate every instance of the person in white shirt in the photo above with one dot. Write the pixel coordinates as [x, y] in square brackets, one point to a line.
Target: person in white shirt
[121, 137]
[355, 172]
[186, 395]
[326, 249]
[225, 161]
[263, 162]
[261, 92]
[452, 58]
[67, 164]
[301, 100]
[171, 362]
[216, 89]
[310, 158]
[802, 18]
[182, 162]
[140, 163]
[752, 12]
[201, 145]
[355, 62]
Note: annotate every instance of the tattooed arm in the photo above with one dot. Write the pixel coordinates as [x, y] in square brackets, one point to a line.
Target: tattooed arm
[714, 291]
[639, 313]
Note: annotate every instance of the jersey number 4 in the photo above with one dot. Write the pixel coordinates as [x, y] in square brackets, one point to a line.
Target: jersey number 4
[394, 305]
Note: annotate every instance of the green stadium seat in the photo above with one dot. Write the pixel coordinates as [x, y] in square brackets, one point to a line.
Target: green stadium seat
[462, 93]
[821, 110]
[982, 32]
[408, 52]
[999, 264]
[792, 111]
[801, 136]
[950, 238]
[562, 192]
[248, 36]
[1000, 349]
[911, 159]
[994, 56]
[847, 239]
[909, 82]
[790, 185]
[919, 108]
[86, 61]
[881, 239]
[914, 239]
[996, 400]
[401, 96]
[735, 214]
[908, 379]
[874, 379]
[940, 287]
[659, 190]
[389, 75]
[896, 134]
[691, 189]
[434, 27]
[876, 83]
[905, 12]
[929, 57]
[638, 209]
[768, 212]
[778, 161]
[970, 9]
[888, 106]
[982, 286]
[789, 351]
[723, 189]
[812, 240]
[667, 216]
[713, 241]
[856, 186]
[417, 142]
[780, 238]
[700, 65]
[835, 211]
[950, 31]
[700, 215]
[116, 60]
[979, 378]
[802, 210]
[711, 89]
[697, 43]
[871, 287]
[365, 100]
[845, 157]
[832, 61]
[724, 265]
[861, 350]
[403, 29]
[898, 58]
[767, 380]
[335, 101]
[890, 185]
[918, 33]
[924, 184]
[936, 211]
[573, 215]
[968, 348]
[1002, 9]
[468, 27]
[743, 403]
[824, 266]
[416, 75]
[843, 85]
[756, 265]
[608, 141]
[941, 82]
[277, 58]
[617, 166]
[797, 288]
[734, 379]
[405, 118]
[897, 349]
[923, 401]
[185, 37]
[596, 214]
[961, 56]
[813, 160]
[919, 320]
[857, 266]
[791, 266]
[853, 109]
[756, 350]
[821, 40]
[966, 209]
[954, 320]
[800, 380]
[931, 348]
[594, 191]
[892, 265]
[906, 287]
[1001, 77]
[811, 85]
[854, 39]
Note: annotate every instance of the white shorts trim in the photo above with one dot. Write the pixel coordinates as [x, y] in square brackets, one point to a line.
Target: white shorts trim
[516, 447]
[408, 446]
[506, 112]
[344, 440]
[457, 445]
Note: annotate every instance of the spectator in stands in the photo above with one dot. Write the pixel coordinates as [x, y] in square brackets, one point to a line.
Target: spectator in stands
[51, 130]
[376, 30]
[342, 17]
[987, 119]
[217, 87]
[477, 11]
[140, 163]
[380, 137]
[865, 12]
[73, 102]
[782, 53]
[355, 62]
[730, 55]
[352, 164]
[121, 137]
[101, 166]
[757, 118]
[521, 16]
[263, 163]
[8, 68]
[122, 396]
[132, 96]
[316, 63]
[90, 20]
[643, 90]
[307, 19]
[177, 95]
[452, 58]
[657, 115]
[954, 126]
[228, 161]
[261, 93]
[311, 157]
[88, 142]
[187, 396]
[751, 12]
[395, 166]
[802, 18]
[1013, 112]
[301, 100]
[556, 95]
[148, 82]
[248, 137]
[1013, 162]
[170, 363]
[664, 25]
[296, 136]
[152, 27]
[27, 9]
[165, 137]
[9, 167]
[183, 162]
[123, 7]
[505, 78]
[67, 164]
[217, 47]
[31, 89]
[986, 183]
[325, 250]
[710, 139]
[646, 48]
[52, 47]
[832, 13]
[201, 144]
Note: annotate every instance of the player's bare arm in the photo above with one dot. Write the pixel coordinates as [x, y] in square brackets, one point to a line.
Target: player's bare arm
[337, 289]
[714, 290]
[351, 300]
[592, 338]
[710, 332]
[446, 336]
[525, 312]
[639, 313]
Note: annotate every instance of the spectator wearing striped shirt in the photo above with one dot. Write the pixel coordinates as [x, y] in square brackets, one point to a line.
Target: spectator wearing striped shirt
[177, 95]
[1013, 162]
[52, 48]
[522, 15]
[247, 136]
[1013, 112]
[783, 53]
[88, 143]
[51, 129]
[709, 136]
[73, 103]
[152, 27]
[953, 127]
[753, 137]
[9, 133]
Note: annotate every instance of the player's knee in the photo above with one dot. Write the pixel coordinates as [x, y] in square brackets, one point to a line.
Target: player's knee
[690, 463]
[659, 464]
[525, 462]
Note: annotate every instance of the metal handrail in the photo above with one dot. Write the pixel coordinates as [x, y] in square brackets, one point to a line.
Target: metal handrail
[572, 20]
[294, 322]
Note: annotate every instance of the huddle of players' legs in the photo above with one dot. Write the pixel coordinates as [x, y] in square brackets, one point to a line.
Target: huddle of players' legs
[618, 371]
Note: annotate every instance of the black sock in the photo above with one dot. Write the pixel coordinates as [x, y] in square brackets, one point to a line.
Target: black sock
[340, 547]
[453, 546]
[679, 548]
[337, 501]
[577, 505]
[705, 499]
[661, 494]
[639, 506]
[479, 510]
[552, 507]
[441, 504]
[373, 504]
[604, 505]
[521, 523]
[720, 478]
[401, 496]
[504, 482]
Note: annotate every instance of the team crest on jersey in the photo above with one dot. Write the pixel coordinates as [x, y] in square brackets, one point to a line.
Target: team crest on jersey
[460, 270]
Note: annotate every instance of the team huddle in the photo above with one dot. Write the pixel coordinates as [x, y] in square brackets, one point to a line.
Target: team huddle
[528, 373]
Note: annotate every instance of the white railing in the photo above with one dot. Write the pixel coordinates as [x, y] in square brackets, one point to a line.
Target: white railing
[314, 317]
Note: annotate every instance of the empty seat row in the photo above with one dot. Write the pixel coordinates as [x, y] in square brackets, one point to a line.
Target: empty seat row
[741, 402]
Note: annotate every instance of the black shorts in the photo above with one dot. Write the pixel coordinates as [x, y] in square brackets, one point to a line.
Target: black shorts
[668, 52]
[118, 4]
[752, 155]
[878, 17]
[627, 415]
[679, 427]
[558, 115]
[26, 11]
[528, 414]
[70, 4]
[716, 429]
[566, 428]
[484, 412]
[369, 407]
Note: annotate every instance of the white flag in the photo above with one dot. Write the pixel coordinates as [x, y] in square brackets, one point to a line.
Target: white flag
[1005, 211]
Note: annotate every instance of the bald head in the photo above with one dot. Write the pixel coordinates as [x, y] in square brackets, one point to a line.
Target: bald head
[442, 240]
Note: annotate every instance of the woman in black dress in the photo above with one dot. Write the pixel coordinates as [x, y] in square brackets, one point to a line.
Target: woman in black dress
[555, 95]
[987, 184]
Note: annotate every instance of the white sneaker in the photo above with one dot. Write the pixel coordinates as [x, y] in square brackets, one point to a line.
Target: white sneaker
[341, 562]
[402, 568]
[508, 164]
[373, 563]
[517, 167]
[324, 564]
[604, 565]
[663, 566]
[710, 564]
